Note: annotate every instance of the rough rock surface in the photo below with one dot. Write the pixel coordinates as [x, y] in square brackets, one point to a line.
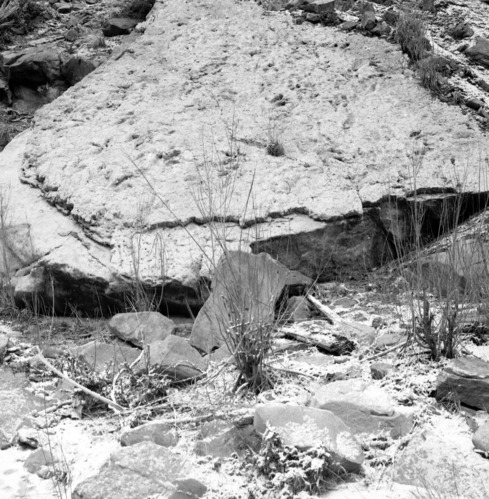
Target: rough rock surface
[141, 328]
[305, 427]
[433, 458]
[136, 472]
[175, 358]
[465, 380]
[159, 433]
[480, 439]
[242, 282]
[101, 356]
[342, 105]
[363, 408]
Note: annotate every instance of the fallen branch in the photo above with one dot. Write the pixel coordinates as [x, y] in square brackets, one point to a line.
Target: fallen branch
[389, 350]
[331, 315]
[56, 371]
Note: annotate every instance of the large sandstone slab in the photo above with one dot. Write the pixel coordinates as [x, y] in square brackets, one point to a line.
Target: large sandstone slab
[155, 114]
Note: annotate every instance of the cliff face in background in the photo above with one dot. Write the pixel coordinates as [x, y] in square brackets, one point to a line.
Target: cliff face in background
[126, 171]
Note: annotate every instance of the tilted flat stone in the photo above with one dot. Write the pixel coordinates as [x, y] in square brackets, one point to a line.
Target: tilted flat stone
[141, 328]
[159, 433]
[306, 427]
[363, 407]
[100, 356]
[175, 358]
[465, 380]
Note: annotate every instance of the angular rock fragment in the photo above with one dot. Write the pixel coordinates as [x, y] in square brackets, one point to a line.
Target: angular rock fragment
[479, 52]
[117, 26]
[245, 289]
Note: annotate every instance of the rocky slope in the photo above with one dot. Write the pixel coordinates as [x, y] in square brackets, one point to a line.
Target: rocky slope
[140, 157]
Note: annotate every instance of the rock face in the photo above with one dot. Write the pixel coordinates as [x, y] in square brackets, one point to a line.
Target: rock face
[141, 328]
[480, 51]
[305, 427]
[245, 289]
[466, 380]
[136, 472]
[363, 408]
[316, 206]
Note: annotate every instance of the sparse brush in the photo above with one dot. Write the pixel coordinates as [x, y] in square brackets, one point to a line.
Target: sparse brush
[292, 471]
[411, 36]
[275, 148]
[430, 78]
[7, 9]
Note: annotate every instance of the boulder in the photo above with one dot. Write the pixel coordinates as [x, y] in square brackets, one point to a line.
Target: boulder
[364, 408]
[38, 459]
[368, 20]
[141, 328]
[306, 427]
[465, 380]
[159, 433]
[221, 439]
[84, 202]
[479, 52]
[461, 30]
[319, 6]
[32, 66]
[117, 26]
[137, 472]
[379, 370]
[175, 358]
[102, 356]
[433, 459]
[245, 288]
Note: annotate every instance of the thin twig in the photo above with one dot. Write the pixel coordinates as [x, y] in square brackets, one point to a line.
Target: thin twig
[389, 350]
[56, 371]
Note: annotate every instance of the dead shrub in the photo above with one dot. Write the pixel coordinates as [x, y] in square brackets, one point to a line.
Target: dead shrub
[411, 36]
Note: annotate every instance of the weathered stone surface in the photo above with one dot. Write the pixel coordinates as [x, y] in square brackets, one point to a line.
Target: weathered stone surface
[480, 439]
[222, 439]
[136, 472]
[466, 380]
[363, 408]
[312, 210]
[319, 6]
[189, 488]
[175, 358]
[141, 328]
[462, 30]
[245, 288]
[480, 51]
[368, 20]
[32, 66]
[102, 356]
[433, 458]
[38, 459]
[159, 433]
[306, 427]
[119, 26]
